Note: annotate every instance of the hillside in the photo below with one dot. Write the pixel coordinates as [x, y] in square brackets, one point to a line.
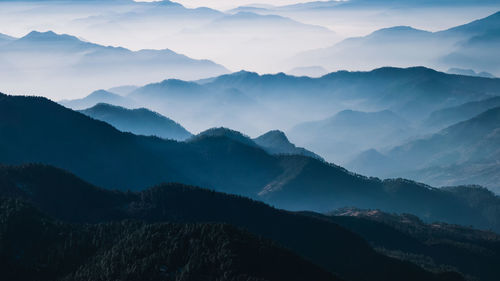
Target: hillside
[139, 121]
[99, 96]
[276, 142]
[38, 130]
[435, 246]
[464, 153]
[128, 250]
[58, 194]
[443, 118]
[347, 133]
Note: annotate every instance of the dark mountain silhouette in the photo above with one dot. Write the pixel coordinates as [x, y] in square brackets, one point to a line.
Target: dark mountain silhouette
[59, 194]
[464, 153]
[37, 130]
[349, 132]
[99, 96]
[128, 250]
[276, 142]
[46, 55]
[222, 132]
[139, 121]
[443, 118]
[472, 252]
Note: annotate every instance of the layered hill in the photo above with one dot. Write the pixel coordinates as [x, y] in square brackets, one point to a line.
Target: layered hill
[66, 60]
[52, 250]
[434, 246]
[457, 47]
[464, 153]
[37, 130]
[139, 121]
[59, 194]
[349, 132]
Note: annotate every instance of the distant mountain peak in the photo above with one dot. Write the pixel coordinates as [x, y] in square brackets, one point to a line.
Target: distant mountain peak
[49, 36]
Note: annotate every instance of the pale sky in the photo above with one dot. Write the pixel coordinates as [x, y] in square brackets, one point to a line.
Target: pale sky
[229, 4]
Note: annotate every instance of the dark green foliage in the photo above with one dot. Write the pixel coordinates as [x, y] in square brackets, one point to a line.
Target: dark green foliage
[318, 240]
[432, 245]
[34, 247]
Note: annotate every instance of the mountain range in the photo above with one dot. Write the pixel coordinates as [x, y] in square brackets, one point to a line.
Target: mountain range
[463, 153]
[163, 246]
[255, 103]
[457, 47]
[38, 57]
[39, 130]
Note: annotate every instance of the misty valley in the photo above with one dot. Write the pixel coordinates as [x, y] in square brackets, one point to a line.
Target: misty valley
[236, 140]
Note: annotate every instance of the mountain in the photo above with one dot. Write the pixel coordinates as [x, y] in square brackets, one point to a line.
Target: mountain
[404, 46]
[311, 71]
[474, 253]
[38, 57]
[464, 153]
[448, 116]
[254, 103]
[130, 250]
[123, 90]
[139, 121]
[34, 129]
[58, 194]
[99, 96]
[469, 72]
[339, 137]
[276, 142]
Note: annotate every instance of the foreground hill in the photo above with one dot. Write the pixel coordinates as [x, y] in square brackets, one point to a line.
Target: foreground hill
[138, 121]
[474, 253]
[59, 194]
[38, 130]
[52, 250]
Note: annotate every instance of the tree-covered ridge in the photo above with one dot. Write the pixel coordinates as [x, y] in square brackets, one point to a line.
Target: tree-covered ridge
[435, 246]
[322, 242]
[35, 247]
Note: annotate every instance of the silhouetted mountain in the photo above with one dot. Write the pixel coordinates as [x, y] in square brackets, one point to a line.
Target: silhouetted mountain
[59, 194]
[449, 116]
[132, 250]
[139, 121]
[99, 96]
[435, 246]
[222, 132]
[464, 153]
[349, 132]
[37, 130]
[276, 142]
[41, 56]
